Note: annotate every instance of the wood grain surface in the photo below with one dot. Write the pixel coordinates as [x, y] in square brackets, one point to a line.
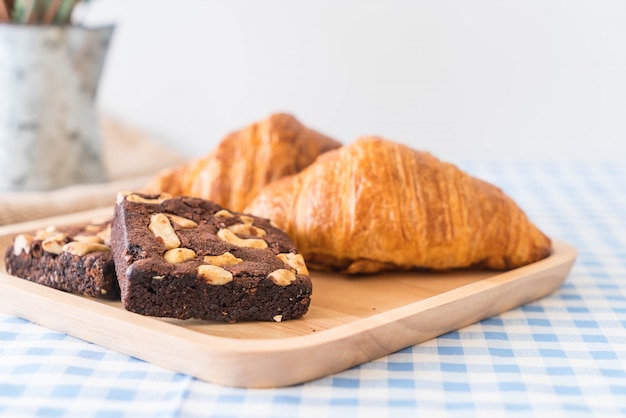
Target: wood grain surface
[351, 320]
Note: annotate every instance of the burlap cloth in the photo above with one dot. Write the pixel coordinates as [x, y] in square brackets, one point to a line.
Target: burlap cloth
[131, 158]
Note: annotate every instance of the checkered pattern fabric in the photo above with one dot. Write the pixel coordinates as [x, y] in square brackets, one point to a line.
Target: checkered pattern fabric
[561, 356]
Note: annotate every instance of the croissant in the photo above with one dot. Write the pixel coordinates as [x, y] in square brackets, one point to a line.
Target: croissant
[244, 161]
[377, 205]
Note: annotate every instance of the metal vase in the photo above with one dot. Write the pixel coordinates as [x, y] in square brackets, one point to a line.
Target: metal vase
[49, 132]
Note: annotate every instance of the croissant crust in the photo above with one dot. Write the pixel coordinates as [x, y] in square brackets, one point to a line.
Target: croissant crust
[377, 205]
[246, 160]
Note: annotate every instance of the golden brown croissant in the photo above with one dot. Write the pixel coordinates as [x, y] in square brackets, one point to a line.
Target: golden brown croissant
[246, 160]
[377, 205]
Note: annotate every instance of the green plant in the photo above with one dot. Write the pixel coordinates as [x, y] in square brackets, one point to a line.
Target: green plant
[38, 11]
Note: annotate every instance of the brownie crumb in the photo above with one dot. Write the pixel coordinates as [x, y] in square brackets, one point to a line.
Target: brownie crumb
[75, 259]
[189, 258]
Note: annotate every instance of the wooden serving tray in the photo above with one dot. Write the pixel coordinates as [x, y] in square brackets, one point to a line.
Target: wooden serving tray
[350, 321]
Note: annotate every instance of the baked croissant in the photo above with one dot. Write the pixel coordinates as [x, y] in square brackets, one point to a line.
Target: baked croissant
[244, 161]
[377, 205]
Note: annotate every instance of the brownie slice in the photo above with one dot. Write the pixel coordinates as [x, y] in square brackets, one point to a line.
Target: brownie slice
[75, 259]
[188, 258]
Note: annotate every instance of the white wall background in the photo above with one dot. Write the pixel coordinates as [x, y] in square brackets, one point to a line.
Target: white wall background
[486, 78]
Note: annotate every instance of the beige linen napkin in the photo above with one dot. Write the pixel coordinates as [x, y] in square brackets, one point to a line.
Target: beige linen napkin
[131, 158]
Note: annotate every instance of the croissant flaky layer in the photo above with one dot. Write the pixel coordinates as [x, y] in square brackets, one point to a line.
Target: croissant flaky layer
[246, 160]
[377, 205]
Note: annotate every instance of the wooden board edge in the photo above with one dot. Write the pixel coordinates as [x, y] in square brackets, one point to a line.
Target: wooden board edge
[261, 363]
[68, 219]
[373, 337]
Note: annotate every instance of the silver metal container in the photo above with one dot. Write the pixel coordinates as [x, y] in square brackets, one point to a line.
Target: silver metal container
[49, 133]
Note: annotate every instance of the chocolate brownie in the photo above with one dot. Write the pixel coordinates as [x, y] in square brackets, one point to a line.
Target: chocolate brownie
[75, 259]
[188, 258]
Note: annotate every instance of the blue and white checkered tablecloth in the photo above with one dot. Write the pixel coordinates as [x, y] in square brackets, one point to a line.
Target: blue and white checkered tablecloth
[564, 355]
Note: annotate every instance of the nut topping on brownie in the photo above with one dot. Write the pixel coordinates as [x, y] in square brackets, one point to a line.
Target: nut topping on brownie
[75, 259]
[190, 258]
